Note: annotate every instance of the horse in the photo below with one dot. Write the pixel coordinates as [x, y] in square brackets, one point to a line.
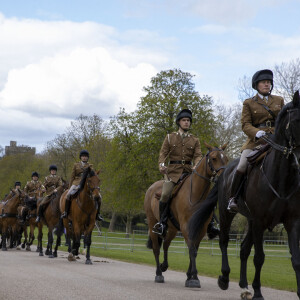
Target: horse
[82, 216]
[30, 210]
[51, 219]
[269, 196]
[193, 191]
[8, 217]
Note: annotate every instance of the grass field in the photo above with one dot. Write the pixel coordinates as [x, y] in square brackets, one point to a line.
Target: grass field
[277, 272]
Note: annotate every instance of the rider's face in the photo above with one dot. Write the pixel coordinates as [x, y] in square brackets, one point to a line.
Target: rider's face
[84, 158]
[35, 178]
[53, 172]
[185, 123]
[18, 186]
[264, 87]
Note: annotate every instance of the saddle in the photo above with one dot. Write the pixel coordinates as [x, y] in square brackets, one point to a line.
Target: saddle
[257, 155]
[177, 187]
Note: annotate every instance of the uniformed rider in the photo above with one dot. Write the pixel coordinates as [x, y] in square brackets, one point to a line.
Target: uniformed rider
[78, 170]
[258, 118]
[52, 183]
[183, 151]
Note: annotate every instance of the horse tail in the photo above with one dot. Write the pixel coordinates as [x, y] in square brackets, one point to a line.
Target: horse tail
[202, 213]
[149, 243]
[60, 228]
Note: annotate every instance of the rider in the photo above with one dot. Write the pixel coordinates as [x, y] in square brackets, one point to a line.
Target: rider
[31, 189]
[180, 148]
[52, 183]
[76, 175]
[258, 118]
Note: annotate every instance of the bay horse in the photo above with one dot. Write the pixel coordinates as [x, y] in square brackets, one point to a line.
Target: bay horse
[270, 196]
[82, 214]
[192, 192]
[51, 217]
[8, 217]
[30, 209]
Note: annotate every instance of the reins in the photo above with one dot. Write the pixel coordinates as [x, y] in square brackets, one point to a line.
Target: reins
[212, 179]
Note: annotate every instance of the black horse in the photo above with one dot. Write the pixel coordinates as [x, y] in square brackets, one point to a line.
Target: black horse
[270, 196]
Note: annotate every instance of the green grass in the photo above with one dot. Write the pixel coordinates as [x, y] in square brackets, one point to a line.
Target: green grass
[277, 272]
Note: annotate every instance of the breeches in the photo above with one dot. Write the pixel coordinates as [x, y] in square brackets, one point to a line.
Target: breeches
[166, 191]
[242, 166]
[73, 189]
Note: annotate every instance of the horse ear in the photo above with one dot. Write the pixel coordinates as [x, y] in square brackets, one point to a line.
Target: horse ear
[296, 100]
[224, 146]
[98, 172]
[209, 147]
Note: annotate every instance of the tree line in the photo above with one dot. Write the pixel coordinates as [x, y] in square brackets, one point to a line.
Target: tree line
[125, 148]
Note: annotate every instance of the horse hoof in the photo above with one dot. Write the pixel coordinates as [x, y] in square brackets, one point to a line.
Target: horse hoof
[54, 254]
[159, 279]
[88, 262]
[193, 283]
[4, 249]
[47, 252]
[51, 256]
[246, 295]
[41, 254]
[28, 248]
[164, 267]
[23, 246]
[37, 250]
[71, 257]
[223, 284]
[258, 298]
[19, 247]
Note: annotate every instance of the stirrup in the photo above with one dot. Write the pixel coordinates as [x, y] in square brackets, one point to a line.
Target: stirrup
[64, 215]
[37, 220]
[159, 228]
[99, 218]
[232, 206]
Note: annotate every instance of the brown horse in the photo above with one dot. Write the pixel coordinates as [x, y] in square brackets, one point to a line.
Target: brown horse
[30, 210]
[82, 214]
[192, 192]
[51, 217]
[8, 217]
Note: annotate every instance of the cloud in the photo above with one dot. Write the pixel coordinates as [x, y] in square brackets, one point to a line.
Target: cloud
[52, 71]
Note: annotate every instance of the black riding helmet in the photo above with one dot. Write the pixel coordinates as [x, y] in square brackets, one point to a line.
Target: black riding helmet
[185, 113]
[35, 174]
[84, 153]
[262, 75]
[53, 167]
[17, 183]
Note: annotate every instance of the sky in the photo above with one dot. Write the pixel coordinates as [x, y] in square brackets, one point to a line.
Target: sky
[62, 58]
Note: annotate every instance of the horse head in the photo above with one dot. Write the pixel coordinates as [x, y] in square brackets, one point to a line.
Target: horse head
[215, 160]
[91, 182]
[287, 126]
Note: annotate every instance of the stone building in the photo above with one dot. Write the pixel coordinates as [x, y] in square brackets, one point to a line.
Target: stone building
[14, 149]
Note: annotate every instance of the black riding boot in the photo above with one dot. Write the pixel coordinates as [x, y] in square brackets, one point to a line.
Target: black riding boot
[98, 216]
[236, 183]
[212, 231]
[161, 227]
[67, 207]
[39, 214]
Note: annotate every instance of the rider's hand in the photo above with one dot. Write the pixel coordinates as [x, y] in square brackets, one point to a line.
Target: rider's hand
[163, 170]
[260, 133]
[55, 191]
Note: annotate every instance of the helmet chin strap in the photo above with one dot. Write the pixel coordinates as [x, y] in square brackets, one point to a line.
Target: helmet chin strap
[185, 130]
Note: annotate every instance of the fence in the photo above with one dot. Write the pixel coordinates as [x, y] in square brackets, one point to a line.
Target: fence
[138, 239]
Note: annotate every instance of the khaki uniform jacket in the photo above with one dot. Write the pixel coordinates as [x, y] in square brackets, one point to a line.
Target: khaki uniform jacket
[32, 186]
[51, 183]
[176, 148]
[77, 171]
[254, 113]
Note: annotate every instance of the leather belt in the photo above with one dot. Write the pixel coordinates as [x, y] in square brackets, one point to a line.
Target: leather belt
[266, 124]
[180, 162]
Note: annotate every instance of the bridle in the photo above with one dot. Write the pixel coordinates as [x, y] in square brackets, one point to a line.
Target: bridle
[214, 172]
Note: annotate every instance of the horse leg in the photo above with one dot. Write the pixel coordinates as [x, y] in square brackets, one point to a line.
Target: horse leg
[225, 222]
[244, 255]
[40, 240]
[25, 237]
[155, 241]
[293, 236]
[4, 235]
[166, 244]
[192, 280]
[50, 242]
[58, 241]
[259, 258]
[88, 241]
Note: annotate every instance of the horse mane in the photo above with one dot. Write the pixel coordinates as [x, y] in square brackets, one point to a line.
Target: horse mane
[88, 171]
[281, 116]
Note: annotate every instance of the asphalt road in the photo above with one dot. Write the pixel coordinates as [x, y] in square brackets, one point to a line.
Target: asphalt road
[25, 275]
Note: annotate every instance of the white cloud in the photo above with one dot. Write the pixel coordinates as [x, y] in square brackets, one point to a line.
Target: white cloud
[52, 71]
